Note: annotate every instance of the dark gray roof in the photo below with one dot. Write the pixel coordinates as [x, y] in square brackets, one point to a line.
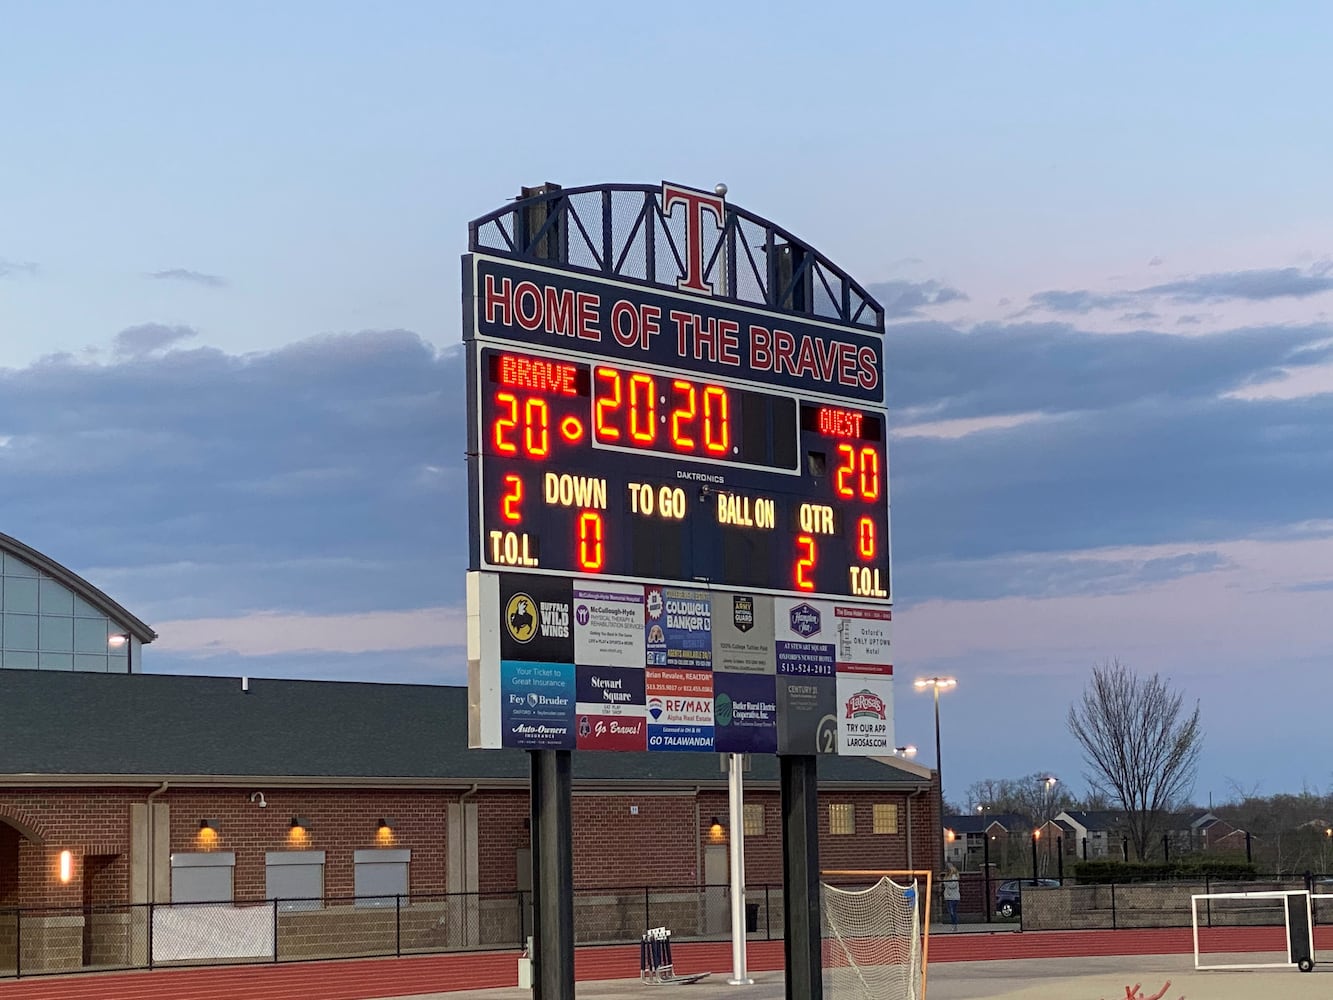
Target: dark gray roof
[171, 726]
[1097, 819]
[80, 586]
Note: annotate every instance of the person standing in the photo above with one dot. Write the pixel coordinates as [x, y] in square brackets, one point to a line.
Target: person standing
[952, 894]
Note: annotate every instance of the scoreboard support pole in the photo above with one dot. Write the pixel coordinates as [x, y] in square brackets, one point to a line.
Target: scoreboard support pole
[552, 875]
[801, 921]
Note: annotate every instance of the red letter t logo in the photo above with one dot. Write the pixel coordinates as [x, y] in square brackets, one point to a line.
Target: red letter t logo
[696, 203]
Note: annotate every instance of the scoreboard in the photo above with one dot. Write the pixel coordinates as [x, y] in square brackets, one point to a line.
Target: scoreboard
[678, 500]
[621, 467]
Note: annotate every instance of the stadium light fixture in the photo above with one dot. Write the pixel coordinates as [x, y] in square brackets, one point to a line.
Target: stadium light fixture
[936, 684]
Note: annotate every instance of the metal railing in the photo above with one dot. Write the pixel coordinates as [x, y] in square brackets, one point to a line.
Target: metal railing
[1153, 904]
[61, 940]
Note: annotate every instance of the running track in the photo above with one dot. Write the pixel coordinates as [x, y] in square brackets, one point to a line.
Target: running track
[397, 977]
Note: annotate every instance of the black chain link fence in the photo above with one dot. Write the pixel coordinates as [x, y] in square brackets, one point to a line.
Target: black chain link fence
[49, 940]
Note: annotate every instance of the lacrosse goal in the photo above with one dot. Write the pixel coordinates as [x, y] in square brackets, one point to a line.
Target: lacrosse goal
[1252, 930]
[875, 934]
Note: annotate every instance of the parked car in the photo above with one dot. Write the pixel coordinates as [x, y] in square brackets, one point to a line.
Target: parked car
[1009, 897]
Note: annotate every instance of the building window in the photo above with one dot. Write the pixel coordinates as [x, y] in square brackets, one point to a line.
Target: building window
[841, 818]
[46, 626]
[204, 877]
[885, 817]
[380, 877]
[754, 819]
[295, 879]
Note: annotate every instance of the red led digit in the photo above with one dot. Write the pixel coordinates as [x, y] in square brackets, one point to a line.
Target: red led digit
[591, 554]
[504, 424]
[717, 420]
[537, 428]
[603, 429]
[865, 538]
[805, 562]
[642, 408]
[846, 468]
[869, 474]
[683, 413]
[513, 497]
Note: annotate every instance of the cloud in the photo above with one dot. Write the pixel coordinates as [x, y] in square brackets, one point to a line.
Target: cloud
[1076, 301]
[1256, 285]
[1155, 262]
[935, 371]
[195, 484]
[1139, 317]
[907, 298]
[15, 268]
[268, 633]
[136, 341]
[192, 277]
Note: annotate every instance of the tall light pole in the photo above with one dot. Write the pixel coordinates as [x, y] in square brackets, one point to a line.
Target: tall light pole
[936, 683]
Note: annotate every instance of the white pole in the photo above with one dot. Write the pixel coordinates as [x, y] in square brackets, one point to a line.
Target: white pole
[737, 845]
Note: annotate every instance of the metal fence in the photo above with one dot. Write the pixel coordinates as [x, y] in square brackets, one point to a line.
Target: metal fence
[1152, 904]
[49, 940]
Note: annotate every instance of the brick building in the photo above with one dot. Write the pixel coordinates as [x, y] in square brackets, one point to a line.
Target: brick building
[119, 789]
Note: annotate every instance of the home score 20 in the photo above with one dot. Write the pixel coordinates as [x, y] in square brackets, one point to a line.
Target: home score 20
[644, 473]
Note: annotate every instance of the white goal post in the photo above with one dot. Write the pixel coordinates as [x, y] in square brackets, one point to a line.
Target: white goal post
[1229, 913]
[876, 926]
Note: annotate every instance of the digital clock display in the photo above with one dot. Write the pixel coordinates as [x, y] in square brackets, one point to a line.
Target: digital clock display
[641, 473]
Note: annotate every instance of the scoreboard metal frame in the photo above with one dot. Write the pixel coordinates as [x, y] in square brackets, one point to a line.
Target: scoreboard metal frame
[784, 489]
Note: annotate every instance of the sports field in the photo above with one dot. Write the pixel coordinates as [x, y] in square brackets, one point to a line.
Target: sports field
[1101, 978]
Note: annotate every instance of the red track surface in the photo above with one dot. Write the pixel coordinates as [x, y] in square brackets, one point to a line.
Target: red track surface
[394, 977]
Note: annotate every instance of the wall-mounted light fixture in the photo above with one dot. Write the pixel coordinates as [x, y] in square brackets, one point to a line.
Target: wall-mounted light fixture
[208, 824]
[300, 823]
[716, 830]
[118, 640]
[66, 866]
[386, 823]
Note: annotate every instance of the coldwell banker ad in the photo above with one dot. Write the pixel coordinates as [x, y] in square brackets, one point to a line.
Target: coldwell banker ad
[678, 628]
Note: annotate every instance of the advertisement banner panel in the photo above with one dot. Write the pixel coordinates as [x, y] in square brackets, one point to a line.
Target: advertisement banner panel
[807, 715]
[865, 644]
[535, 619]
[745, 713]
[537, 705]
[743, 633]
[608, 624]
[865, 715]
[678, 627]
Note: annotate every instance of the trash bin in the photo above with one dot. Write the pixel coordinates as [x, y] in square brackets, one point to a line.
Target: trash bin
[751, 917]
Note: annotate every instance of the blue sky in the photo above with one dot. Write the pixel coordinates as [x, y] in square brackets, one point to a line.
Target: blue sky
[229, 240]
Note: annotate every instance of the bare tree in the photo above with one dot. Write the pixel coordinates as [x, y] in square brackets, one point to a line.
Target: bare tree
[1138, 744]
